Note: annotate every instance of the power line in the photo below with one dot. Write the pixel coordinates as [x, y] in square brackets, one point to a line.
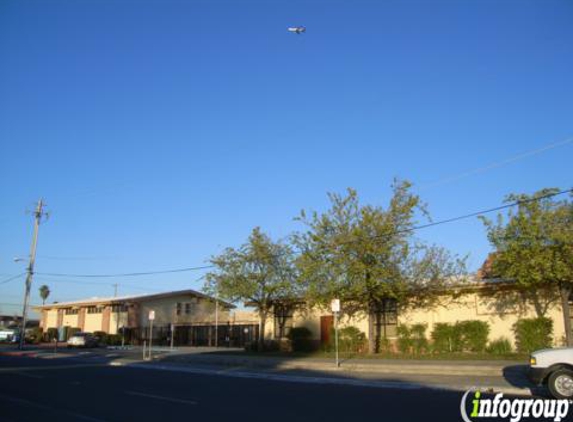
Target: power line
[496, 164]
[178, 270]
[12, 278]
[382, 236]
[91, 283]
[462, 217]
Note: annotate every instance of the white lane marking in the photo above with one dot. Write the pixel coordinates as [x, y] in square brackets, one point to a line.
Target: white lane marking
[153, 396]
[27, 403]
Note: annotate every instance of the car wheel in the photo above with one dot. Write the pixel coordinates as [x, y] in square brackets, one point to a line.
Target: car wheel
[560, 384]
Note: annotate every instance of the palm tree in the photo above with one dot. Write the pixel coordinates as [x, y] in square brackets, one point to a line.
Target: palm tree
[44, 293]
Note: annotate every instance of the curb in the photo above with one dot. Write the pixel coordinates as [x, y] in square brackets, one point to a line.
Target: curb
[402, 385]
[427, 369]
[20, 353]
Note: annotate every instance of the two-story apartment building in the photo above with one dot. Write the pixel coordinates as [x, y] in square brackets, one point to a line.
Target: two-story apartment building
[191, 317]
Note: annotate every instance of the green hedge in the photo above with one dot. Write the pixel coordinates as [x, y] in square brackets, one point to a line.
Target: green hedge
[51, 334]
[350, 340]
[463, 336]
[301, 338]
[500, 346]
[412, 339]
[533, 334]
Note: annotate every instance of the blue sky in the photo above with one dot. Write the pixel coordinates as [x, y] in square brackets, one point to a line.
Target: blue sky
[159, 132]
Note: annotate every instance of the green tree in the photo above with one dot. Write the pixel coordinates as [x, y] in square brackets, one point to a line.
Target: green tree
[534, 246]
[44, 293]
[367, 255]
[260, 272]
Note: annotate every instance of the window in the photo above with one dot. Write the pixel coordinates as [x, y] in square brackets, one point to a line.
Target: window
[389, 320]
[71, 311]
[94, 310]
[187, 309]
[283, 320]
[179, 306]
[119, 308]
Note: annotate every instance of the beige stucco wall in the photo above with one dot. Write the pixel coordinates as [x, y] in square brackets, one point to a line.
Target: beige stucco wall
[51, 319]
[500, 311]
[70, 321]
[116, 321]
[202, 311]
[92, 322]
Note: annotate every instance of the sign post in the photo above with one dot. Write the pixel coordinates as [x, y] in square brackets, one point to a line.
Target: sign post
[151, 318]
[335, 306]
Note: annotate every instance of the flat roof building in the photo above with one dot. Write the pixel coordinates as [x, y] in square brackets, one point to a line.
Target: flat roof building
[195, 318]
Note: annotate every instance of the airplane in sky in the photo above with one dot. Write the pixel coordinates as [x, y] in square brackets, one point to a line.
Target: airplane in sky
[297, 29]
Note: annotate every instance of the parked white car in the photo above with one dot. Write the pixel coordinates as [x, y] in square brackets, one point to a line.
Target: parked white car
[554, 369]
[8, 334]
[83, 340]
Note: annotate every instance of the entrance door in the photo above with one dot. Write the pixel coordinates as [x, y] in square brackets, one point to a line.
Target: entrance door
[326, 324]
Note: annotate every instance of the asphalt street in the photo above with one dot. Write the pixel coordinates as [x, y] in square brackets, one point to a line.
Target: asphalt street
[91, 390]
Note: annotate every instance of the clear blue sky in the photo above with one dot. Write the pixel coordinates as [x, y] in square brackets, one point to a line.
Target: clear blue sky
[159, 132]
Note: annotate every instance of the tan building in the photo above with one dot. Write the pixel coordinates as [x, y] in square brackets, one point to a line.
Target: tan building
[494, 301]
[196, 319]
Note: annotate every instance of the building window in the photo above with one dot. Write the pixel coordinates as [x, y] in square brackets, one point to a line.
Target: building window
[94, 310]
[389, 320]
[119, 308]
[187, 309]
[283, 320]
[179, 306]
[71, 311]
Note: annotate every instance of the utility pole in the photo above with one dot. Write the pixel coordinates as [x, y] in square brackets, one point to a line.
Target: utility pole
[217, 321]
[38, 214]
[114, 290]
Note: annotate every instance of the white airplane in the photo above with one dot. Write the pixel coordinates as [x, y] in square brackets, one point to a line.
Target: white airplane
[297, 29]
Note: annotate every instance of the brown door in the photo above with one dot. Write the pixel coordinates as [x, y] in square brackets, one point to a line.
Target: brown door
[326, 324]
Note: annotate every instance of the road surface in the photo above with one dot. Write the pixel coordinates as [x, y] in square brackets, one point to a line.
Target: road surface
[91, 390]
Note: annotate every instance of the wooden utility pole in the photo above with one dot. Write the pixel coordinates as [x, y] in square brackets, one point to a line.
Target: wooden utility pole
[38, 214]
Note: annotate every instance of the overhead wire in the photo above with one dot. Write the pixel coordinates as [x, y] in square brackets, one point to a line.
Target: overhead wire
[495, 164]
[12, 278]
[134, 274]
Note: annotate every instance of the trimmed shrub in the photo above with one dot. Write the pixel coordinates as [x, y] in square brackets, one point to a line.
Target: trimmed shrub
[533, 334]
[51, 334]
[351, 340]
[301, 338]
[102, 336]
[412, 339]
[500, 346]
[445, 338]
[34, 335]
[404, 338]
[473, 335]
[419, 340]
[463, 336]
[113, 340]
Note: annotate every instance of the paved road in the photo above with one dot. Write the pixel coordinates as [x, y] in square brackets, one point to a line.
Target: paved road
[75, 390]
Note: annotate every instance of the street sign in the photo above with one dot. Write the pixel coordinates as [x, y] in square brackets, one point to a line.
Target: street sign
[335, 305]
[151, 315]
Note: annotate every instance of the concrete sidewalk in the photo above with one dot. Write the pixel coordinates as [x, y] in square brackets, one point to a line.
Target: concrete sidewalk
[237, 358]
[384, 366]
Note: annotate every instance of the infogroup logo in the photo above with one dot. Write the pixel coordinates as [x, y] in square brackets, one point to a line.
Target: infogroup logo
[512, 409]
